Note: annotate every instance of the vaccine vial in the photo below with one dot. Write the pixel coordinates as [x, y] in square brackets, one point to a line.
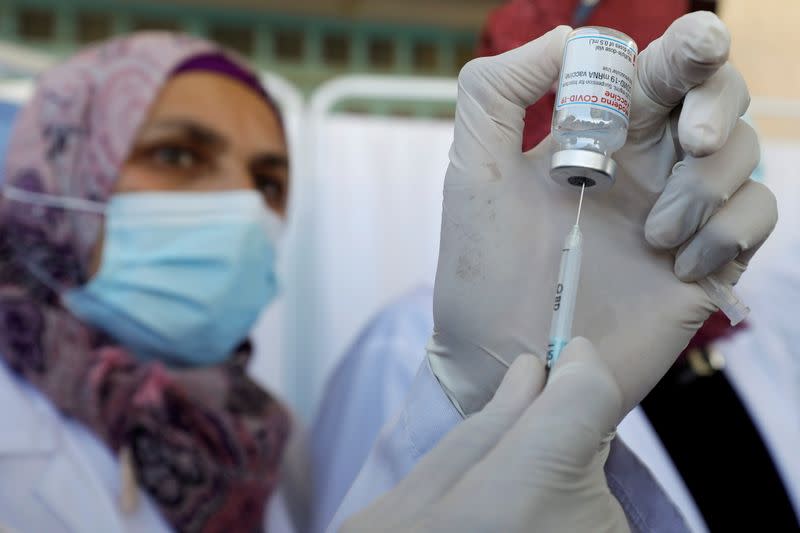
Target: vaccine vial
[590, 118]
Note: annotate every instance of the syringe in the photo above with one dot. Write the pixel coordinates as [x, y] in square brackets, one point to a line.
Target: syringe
[569, 275]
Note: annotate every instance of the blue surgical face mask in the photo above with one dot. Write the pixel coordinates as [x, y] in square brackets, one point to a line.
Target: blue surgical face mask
[183, 276]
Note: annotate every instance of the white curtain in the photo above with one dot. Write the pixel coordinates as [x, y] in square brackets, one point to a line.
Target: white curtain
[366, 229]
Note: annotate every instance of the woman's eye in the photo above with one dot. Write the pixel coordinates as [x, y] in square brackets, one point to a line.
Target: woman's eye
[273, 189]
[175, 156]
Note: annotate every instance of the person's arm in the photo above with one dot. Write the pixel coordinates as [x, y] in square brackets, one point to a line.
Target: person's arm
[531, 460]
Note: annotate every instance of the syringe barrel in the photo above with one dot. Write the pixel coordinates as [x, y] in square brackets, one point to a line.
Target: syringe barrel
[566, 294]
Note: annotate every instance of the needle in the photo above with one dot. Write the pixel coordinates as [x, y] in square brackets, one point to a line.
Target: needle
[580, 204]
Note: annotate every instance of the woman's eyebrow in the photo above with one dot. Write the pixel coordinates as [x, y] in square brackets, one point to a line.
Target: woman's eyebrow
[193, 131]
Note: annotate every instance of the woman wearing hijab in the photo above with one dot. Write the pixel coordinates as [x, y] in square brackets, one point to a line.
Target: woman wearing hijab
[101, 319]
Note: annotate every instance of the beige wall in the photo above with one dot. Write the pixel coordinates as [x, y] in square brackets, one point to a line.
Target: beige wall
[766, 48]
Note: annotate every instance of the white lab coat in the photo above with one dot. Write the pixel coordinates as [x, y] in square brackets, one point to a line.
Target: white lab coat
[55, 476]
[427, 415]
[653, 502]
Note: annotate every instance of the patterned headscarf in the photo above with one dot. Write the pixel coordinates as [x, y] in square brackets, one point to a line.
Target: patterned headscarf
[205, 443]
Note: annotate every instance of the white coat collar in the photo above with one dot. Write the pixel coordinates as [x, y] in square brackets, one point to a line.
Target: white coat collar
[68, 488]
[73, 494]
[26, 430]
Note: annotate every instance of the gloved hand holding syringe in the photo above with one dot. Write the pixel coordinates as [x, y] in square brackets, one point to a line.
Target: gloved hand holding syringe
[590, 122]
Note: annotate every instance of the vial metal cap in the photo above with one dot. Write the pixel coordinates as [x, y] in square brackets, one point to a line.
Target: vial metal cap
[574, 168]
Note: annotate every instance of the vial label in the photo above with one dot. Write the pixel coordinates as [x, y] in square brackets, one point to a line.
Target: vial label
[598, 71]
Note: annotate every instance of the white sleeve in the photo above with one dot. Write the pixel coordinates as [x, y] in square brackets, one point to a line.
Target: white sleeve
[427, 415]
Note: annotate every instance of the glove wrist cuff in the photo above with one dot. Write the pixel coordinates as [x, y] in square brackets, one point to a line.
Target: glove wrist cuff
[468, 374]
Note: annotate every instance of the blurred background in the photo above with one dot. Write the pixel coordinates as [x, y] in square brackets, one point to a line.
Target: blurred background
[368, 90]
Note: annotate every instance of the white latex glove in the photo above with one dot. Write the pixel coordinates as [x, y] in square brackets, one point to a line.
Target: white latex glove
[682, 208]
[527, 462]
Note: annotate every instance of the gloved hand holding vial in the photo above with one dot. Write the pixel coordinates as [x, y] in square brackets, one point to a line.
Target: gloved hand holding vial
[590, 123]
[671, 205]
